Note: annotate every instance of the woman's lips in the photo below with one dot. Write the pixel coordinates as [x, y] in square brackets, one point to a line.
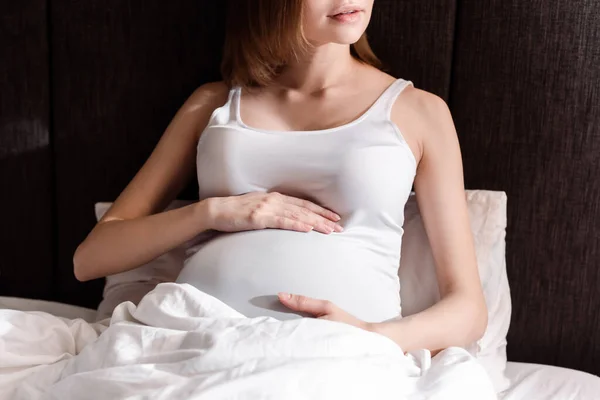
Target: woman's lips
[347, 17]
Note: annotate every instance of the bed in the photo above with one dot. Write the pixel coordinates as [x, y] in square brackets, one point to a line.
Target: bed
[536, 381]
[528, 381]
[523, 87]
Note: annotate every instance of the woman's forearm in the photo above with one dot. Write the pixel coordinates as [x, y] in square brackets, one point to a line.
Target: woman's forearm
[121, 245]
[456, 320]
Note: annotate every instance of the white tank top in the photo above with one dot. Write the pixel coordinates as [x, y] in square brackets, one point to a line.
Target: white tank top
[363, 171]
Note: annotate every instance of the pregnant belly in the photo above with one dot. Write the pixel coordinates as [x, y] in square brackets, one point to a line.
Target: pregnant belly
[246, 270]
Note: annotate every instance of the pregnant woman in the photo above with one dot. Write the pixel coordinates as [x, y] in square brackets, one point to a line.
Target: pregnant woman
[305, 155]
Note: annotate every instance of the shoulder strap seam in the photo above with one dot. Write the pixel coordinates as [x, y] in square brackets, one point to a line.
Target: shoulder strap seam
[236, 99]
[394, 96]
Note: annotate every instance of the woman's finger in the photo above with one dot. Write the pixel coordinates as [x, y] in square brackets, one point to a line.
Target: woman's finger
[280, 222]
[320, 223]
[305, 304]
[312, 207]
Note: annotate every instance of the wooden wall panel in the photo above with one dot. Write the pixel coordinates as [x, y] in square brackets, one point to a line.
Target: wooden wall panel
[26, 175]
[414, 39]
[525, 97]
[122, 68]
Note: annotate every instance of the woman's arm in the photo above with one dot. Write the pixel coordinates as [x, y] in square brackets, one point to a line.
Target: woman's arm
[460, 317]
[129, 235]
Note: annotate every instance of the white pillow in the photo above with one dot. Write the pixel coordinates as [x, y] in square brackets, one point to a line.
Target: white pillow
[419, 289]
[134, 284]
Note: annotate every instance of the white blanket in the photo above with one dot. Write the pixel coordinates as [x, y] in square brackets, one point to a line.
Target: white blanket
[180, 343]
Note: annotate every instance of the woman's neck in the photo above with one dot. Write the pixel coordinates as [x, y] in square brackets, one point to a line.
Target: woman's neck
[326, 66]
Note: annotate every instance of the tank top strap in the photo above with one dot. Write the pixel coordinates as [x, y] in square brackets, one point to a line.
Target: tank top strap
[233, 104]
[236, 99]
[383, 105]
[228, 112]
[381, 108]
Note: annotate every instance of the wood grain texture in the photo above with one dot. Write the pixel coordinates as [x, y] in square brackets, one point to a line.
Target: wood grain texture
[525, 97]
[26, 256]
[121, 71]
[414, 39]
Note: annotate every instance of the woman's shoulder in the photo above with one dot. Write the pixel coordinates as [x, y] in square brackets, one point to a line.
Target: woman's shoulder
[210, 93]
[421, 116]
[421, 107]
[415, 99]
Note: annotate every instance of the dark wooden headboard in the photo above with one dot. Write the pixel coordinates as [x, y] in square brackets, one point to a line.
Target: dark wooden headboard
[87, 88]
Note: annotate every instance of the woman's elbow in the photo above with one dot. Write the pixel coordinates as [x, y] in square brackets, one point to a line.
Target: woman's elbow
[81, 264]
[480, 319]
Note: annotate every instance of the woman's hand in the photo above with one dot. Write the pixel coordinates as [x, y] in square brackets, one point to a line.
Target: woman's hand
[258, 210]
[321, 309]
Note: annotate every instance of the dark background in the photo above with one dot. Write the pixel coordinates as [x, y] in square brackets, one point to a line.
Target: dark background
[87, 88]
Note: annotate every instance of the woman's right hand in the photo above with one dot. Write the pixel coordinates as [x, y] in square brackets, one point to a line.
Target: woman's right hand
[259, 210]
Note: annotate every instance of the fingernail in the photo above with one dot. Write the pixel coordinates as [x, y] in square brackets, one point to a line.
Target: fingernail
[339, 228]
[285, 296]
[337, 218]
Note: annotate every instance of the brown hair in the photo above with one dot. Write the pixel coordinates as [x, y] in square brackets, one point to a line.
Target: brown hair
[263, 35]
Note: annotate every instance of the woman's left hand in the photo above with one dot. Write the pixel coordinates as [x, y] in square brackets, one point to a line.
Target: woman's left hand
[322, 309]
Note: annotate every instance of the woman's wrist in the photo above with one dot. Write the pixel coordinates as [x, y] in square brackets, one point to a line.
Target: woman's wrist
[387, 328]
[204, 214]
[372, 327]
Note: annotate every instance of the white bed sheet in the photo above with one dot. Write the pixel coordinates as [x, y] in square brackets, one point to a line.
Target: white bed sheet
[182, 343]
[528, 381]
[51, 307]
[545, 382]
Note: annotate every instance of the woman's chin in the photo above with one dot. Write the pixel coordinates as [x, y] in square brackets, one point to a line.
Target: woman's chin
[345, 38]
[343, 35]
